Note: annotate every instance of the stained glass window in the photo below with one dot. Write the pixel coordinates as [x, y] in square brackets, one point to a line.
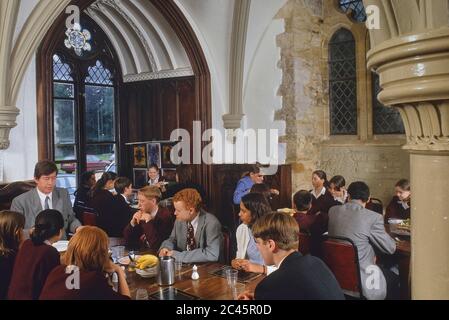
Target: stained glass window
[386, 120]
[357, 8]
[342, 84]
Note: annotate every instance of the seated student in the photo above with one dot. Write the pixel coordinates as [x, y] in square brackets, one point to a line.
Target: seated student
[313, 223]
[37, 257]
[85, 267]
[248, 258]
[338, 190]
[81, 194]
[322, 199]
[11, 236]
[196, 236]
[298, 277]
[115, 218]
[102, 199]
[399, 207]
[151, 225]
[366, 229]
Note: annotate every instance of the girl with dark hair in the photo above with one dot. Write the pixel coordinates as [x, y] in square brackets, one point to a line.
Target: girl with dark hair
[322, 199]
[338, 190]
[102, 199]
[248, 258]
[37, 257]
[264, 190]
[11, 236]
[399, 206]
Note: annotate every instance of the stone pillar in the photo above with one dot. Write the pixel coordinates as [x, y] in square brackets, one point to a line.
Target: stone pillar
[411, 54]
[8, 15]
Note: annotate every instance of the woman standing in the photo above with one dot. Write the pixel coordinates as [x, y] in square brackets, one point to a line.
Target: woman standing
[11, 236]
[37, 257]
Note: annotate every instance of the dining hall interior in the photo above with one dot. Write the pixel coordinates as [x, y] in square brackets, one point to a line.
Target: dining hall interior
[354, 93]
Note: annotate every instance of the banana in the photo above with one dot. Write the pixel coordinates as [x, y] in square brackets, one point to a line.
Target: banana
[147, 261]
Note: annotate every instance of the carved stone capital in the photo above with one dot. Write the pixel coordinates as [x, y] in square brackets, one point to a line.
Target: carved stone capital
[8, 117]
[426, 125]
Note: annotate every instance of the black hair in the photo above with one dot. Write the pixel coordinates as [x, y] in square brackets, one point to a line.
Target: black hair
[48, 224]
[338, 181]
[107, 176]
[45, 168]
[404, 184]
[263, 189]
[257, 204]
[85, 177]
[154, 166]
[121, 184]
[323, 176]
[302, 200]
[359, 191]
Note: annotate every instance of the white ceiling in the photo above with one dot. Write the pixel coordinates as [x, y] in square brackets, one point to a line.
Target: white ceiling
[145, 43]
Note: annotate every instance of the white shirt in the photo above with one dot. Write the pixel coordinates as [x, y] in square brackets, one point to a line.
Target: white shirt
[404, 204]
[42, 197]
[343, 199]
[322, 192]
[152, 182]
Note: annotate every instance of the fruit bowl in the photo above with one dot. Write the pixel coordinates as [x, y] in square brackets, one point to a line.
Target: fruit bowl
[147, 273]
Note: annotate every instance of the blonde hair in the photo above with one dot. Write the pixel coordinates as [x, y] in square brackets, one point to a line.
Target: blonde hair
[88, 250]
[279, 227]
[11, 226]
[190, 197]
[151, 192]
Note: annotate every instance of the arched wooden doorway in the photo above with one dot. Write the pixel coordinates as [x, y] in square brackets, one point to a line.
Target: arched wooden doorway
[202, 87]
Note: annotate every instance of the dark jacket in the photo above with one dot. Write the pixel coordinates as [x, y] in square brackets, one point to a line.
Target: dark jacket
[300, 278]
[31, 269]
[103, 203]
[150, 234]
[6, 267]
[323, 203]
[395, 210]
[93, 285]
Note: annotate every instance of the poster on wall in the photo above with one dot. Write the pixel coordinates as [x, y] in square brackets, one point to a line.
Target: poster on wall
[166, 156]
[154, 154]
[140, 156]
[139, 178]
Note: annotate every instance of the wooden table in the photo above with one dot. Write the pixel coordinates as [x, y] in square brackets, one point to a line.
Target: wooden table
[207, 287]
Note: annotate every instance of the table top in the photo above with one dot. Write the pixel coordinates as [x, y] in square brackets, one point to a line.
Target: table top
[207, 287]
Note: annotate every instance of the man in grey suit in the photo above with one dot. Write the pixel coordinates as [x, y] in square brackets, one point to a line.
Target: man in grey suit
[46, 196]
[196, 235]
[366, 229]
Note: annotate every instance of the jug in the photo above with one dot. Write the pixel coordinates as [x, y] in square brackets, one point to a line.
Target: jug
[166, 272]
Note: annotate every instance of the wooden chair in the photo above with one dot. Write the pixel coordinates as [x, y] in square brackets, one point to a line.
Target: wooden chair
[375, 205]
[89, 218]
[341, 256]
[304, 243]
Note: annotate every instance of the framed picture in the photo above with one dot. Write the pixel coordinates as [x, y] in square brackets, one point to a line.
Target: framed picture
[169, 175]
[139, 178]
[154, 154]
[166, 156]
[140, 156]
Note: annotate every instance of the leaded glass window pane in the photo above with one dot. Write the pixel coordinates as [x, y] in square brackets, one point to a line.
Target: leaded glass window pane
[342, 84]
[386, 120]
[357, 7]
[98, 74]
[61, 70]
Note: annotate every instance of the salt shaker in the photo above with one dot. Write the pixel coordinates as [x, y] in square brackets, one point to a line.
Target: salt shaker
[195, 275]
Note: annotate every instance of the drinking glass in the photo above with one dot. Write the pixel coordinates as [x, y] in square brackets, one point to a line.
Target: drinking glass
[231, 276]
[141, 294]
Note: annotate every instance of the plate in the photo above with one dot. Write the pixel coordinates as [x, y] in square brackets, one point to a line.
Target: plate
[395, 221]
[125, 260]
[147, 273]
[61, 246]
